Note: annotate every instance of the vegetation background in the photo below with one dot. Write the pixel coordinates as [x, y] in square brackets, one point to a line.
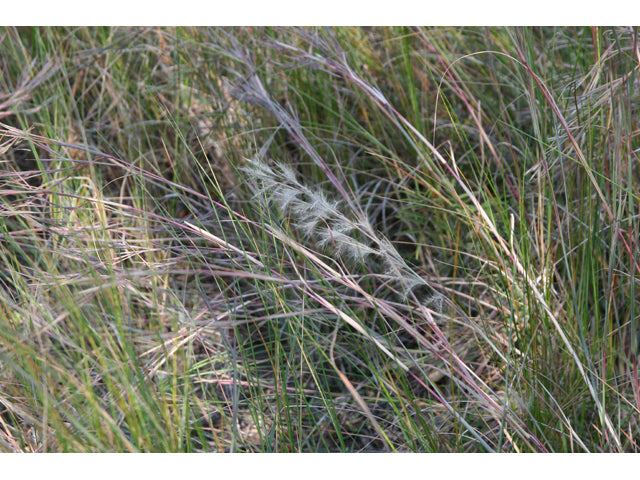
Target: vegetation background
[159, 293]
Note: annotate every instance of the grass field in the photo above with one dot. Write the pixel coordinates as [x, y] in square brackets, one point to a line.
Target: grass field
[319, 239]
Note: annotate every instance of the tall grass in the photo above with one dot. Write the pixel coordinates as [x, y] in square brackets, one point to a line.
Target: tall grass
[319, 239]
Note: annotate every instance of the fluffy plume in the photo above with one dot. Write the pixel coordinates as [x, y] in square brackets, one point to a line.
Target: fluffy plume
[322, 221]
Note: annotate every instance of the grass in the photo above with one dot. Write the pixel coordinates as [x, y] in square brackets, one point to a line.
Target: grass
[303, 240]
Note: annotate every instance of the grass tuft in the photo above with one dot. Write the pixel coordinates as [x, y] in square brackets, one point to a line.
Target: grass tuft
[319, 239]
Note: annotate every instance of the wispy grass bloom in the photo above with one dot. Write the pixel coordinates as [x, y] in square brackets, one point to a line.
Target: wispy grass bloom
[322, 221]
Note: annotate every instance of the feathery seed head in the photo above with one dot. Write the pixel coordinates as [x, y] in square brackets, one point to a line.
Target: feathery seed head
[320, 219]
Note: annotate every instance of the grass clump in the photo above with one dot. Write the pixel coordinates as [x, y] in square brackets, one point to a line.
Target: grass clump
[306, 239]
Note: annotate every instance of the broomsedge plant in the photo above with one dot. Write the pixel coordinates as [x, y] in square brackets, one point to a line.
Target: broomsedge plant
[319, 239]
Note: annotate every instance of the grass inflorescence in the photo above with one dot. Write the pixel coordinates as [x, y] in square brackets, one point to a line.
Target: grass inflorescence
[319, 239]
